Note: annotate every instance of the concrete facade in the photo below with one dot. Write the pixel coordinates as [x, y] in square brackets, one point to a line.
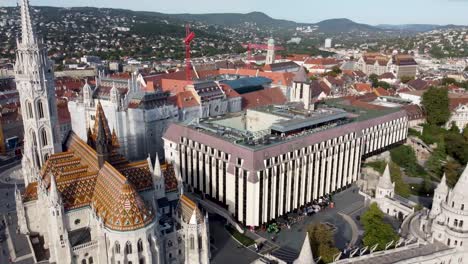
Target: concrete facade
[259, 185]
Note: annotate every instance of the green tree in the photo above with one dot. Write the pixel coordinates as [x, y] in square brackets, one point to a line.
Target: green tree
[454, 128]
[376, 231]
[448, 81]
[465, 132]
[374, 78]
[382, 84]
[456, 146]
[322, 242]
[406, 79]
[336, 70]
[435, 163]
[452, 172]
[436, 103]
[401, 187]
[403, 155]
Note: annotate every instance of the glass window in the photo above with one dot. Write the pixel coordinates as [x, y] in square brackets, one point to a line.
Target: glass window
[40, 109]
[128, 248]
[192, 242]
[117, 247]
[44, 137]
[140, 246]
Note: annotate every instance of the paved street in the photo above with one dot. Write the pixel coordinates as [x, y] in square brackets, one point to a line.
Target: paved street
[225, 250]
[346, 202]
[18, 242]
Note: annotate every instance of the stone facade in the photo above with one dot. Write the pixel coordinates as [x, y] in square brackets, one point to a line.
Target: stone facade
[89, 204]
[34, 77]
[138, 118]
[459, 117]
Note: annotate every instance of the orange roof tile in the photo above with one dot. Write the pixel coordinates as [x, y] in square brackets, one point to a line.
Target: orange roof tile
[363, 87]
[263, 97]
[184, 99]
[230, 93]
[112, 189]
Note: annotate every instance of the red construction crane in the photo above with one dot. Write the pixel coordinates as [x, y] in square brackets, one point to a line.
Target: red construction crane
[189, 36]
[250, 46]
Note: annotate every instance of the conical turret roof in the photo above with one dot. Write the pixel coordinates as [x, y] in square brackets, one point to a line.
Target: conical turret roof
[442, 187]
[306, 256]
[385, 182]
[459, 193]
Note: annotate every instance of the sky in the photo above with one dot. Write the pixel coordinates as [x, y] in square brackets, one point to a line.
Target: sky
[307, 11]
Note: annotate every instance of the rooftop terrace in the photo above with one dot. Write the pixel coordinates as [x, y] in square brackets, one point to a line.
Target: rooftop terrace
[275, 124]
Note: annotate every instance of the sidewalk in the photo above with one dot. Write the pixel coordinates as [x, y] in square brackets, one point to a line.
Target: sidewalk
[14, 174]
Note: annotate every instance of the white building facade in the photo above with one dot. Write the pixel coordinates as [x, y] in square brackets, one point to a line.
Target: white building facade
[459, 116]
[89, 204]
[280, 178]
[34, 75]
[138, 118]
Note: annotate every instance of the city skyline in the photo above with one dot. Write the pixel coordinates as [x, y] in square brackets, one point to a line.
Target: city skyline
[362, 11]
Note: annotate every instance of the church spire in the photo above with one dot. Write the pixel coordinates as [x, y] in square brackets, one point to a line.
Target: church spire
[306, 256]
[102, 142]
[27, 31]
[385, 182]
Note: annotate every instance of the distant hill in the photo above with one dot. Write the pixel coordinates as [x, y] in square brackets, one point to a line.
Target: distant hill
[417, 27]
[343, 25]
[235, 19]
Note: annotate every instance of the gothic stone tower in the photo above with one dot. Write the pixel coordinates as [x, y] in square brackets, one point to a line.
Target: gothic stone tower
[35, 83]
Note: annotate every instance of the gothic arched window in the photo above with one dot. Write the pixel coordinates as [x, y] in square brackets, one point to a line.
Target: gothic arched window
[40, 109]
[34, 139]
[44, 139]
[29, 109]
[140, 246]
[117, 247]
[192, 242]
[128, 248]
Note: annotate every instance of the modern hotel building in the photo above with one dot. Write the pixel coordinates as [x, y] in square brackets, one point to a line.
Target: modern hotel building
[266, 162]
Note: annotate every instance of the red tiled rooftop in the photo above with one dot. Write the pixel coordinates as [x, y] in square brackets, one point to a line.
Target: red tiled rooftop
[263, 97]
[184, 99]
[230, 93]
[363, 87]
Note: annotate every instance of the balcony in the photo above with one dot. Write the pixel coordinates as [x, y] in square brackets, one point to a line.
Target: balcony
[85, 247]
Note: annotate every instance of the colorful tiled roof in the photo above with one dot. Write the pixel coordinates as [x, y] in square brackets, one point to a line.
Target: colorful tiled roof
[170, 179]
[111, 189]
[188, 209]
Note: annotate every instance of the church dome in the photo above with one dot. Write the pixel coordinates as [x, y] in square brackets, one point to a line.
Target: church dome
[271, 41]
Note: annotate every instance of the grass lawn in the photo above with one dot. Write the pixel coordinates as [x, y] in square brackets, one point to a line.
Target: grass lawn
[244, 240]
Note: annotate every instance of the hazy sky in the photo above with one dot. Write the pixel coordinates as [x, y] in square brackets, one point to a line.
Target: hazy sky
[364, 11]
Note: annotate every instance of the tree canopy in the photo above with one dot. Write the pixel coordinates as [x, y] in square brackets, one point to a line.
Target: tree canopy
[405, 157]
[401, 187]
[322, 242]
[376, 231]
[436, 103]
[406, 79]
